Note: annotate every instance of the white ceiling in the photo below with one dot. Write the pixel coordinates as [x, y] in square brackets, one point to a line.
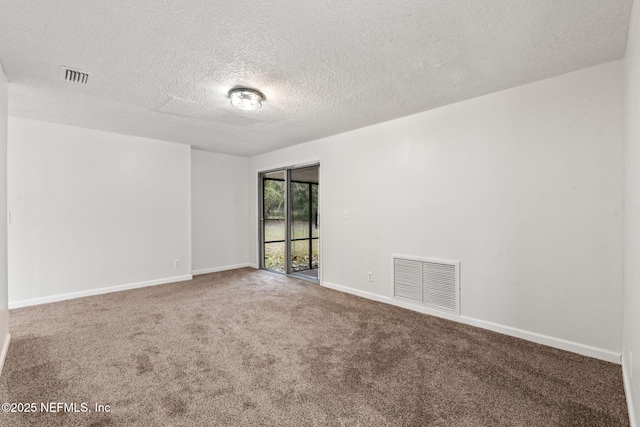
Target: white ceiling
[162, 68]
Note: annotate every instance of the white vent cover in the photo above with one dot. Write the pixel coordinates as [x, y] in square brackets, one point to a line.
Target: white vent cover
[74, 76]
[430, 282]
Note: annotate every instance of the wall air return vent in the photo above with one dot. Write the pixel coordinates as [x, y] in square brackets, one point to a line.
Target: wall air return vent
[74, 76]
[429, 282]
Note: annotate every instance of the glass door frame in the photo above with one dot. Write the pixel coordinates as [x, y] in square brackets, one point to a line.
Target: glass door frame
[261, 219]
[291, 203]
[288, 220]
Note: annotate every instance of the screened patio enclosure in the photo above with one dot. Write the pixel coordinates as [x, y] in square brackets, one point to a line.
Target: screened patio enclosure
[290, 229]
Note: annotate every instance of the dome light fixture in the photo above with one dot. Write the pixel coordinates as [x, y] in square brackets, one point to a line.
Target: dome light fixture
[245, 98]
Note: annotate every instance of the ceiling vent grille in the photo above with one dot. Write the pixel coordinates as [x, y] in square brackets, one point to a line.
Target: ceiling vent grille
[429, 282]
[74, 76]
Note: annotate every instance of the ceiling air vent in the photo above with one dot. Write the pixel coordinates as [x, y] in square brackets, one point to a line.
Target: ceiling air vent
[74, 76]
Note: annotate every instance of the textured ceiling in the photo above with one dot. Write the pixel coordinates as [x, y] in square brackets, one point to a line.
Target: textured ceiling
[162, 68]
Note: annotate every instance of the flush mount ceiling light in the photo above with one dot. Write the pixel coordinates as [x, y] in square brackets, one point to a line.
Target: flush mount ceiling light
[245, 98]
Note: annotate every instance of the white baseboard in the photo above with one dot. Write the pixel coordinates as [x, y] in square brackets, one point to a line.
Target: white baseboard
[628, 392]
[4, 351]
[99, 291]
[559, 343]
[223, 268]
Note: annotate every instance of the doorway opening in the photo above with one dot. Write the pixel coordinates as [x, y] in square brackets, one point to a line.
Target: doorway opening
[289, 222]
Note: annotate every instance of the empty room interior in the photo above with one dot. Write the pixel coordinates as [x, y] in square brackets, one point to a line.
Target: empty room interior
[382, 213]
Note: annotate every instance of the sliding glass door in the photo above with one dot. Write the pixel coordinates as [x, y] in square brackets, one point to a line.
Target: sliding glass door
[274, 228]
[305, 232]
[289, 224]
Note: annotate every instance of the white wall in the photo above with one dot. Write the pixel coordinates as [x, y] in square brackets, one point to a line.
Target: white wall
[524, 187]
[4, 311]
[632, 216]
[220, 211]
[94, 211]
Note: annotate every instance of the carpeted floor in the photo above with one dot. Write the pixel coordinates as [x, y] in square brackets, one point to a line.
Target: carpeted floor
[252, 348]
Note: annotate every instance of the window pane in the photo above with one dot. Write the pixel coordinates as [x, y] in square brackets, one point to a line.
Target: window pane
[315, 226]
[273, 199]
[299, 210]
[300, 255]
[274, 256]
[315, 259]
[274, 229]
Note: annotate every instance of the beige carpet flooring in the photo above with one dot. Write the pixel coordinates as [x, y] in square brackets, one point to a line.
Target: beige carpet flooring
[252, 348]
